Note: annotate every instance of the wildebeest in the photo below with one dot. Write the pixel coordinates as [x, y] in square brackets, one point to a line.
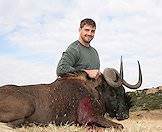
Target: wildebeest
[72, 99]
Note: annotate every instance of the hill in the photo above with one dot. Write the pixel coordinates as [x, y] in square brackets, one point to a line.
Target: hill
[147, 99]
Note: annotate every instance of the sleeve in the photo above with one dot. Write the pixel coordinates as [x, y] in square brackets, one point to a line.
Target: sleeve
[67, 61]
[98, 59]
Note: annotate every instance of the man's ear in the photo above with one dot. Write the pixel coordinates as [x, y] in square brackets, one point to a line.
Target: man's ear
[79, 29]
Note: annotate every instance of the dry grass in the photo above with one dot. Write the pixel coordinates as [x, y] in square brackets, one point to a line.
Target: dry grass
[143, 125]
[143, 121]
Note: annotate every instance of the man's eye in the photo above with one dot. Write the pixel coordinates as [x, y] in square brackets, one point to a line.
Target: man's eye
[93, 31]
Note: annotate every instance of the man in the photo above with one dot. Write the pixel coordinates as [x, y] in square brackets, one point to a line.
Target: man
[80, 55]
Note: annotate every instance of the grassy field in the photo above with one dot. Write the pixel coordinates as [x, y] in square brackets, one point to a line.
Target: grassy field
[142, 121]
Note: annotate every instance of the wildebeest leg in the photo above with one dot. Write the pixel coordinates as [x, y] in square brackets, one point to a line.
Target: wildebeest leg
[108, 123]
[87, 116]
[14, 109]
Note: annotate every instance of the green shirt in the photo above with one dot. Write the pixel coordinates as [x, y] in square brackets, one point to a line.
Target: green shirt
[78, 57]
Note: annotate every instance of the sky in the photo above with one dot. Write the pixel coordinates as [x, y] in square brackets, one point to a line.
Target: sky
[33, 35]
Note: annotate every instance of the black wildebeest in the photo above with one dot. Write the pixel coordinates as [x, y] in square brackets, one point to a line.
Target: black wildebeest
[73, 99]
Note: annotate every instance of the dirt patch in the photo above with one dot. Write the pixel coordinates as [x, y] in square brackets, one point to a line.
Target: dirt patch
[151, 115]
[143, 121]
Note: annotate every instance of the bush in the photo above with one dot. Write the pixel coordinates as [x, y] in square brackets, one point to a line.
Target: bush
[142, 101]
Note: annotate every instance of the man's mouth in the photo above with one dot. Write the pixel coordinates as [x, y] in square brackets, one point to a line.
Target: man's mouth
[89, 37]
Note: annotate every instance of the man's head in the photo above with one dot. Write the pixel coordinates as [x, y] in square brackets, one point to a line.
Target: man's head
[87, 31]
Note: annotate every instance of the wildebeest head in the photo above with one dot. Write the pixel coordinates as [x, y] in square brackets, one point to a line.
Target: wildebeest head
[117, 102]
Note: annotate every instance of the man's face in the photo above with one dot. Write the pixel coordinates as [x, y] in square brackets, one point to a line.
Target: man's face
[87, 33]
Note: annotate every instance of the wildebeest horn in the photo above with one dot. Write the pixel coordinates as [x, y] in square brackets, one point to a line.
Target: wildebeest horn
[115, 79]
[121, 68]
[139, 80]
[112, 77]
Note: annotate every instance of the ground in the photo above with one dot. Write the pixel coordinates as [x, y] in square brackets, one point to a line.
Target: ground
[141, 121]
[144, 121]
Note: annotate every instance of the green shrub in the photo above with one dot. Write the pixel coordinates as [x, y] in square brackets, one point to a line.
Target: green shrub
[142, 101]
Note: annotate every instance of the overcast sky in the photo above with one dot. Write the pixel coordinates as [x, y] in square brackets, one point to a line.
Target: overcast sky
[33, 35]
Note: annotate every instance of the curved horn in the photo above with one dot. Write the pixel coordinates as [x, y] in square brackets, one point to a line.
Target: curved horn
[139, 80]
[121, 68]
[112, 77]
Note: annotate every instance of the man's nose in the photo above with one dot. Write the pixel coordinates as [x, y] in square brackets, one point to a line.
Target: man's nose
[90, 33]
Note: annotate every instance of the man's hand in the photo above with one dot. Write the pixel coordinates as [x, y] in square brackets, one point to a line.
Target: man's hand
[93, 73]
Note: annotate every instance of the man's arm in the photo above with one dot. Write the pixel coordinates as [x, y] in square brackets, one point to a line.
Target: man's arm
[67, 61]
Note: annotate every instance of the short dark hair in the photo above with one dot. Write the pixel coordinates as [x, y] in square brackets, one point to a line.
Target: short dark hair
[87, 21]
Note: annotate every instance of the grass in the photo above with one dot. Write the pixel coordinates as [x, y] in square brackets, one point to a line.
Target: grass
[141, 121]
